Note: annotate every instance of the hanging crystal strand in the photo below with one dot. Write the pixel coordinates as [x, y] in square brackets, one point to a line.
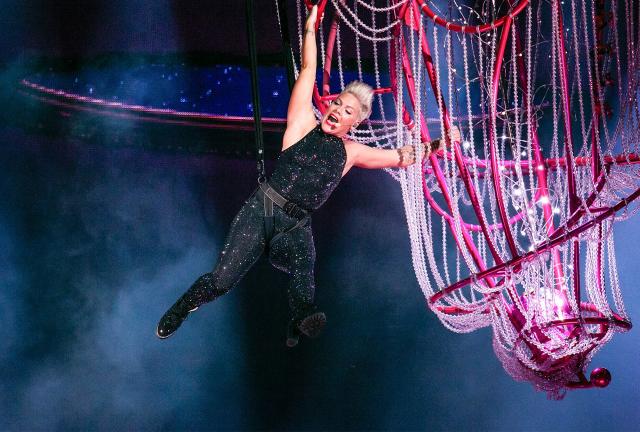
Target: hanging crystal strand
[501, 333]
[567, 260]
[416, 169]
[430, 254]
[414, 64]
[633, 111]
[388, 43]
[597, 81]
[556, 178]
[322, 46]
[299, 19]
[414, 234]
[448, 171]
[425, 245]
[377, 77]
[610, 141]
[339, 51]
[479, 242]
[593, 277]
[439, 98]
[616, 48]
[453, 183]
[483, 247]
[406, 182]
[399, 90]
[625, 96]
[474, 158]
[295, 67]
[444, 252]
[453, 179]
[613, 278]
[425, 229]
[428, 248]
[458, 187]
[498, 239]
[600, 91]
[485, 204]
[530, 119]
[482, 73]
[519, 195]
[516, 299]
[611, 134]
[600, 247]
[358, 58]
[555, 77]
[596, 280]
[585, 25]
[578, 76]
[631, 36]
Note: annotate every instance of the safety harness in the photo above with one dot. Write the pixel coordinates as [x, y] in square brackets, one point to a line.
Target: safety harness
[270, 197]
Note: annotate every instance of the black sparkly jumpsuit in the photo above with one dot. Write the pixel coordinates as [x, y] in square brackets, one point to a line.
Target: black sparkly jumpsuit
[306, 173]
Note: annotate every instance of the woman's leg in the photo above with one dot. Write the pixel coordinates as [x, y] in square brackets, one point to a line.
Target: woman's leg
[243, 245]
[294, 253]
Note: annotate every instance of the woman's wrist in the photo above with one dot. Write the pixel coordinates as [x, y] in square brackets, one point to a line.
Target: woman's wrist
[406, 155]
[401, 157]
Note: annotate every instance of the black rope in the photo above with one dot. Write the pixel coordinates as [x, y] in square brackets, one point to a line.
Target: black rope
[257, 117]
[286, 42]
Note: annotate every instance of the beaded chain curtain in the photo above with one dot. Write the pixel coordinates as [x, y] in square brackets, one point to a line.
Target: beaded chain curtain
[512, 227]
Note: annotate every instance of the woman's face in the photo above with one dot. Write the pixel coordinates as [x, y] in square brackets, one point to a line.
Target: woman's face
[343, 112]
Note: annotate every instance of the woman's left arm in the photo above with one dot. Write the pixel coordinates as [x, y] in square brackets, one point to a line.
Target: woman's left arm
[373, 158]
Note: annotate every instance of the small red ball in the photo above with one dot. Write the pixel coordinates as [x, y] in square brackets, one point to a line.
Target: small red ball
[600, 377]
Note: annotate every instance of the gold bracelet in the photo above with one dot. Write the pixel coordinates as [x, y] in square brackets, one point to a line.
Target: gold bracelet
[401, 156]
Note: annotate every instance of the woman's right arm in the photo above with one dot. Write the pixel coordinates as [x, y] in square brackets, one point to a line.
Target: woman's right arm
[300, 116]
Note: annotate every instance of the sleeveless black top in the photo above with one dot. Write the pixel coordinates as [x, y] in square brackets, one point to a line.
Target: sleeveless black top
[308, 171]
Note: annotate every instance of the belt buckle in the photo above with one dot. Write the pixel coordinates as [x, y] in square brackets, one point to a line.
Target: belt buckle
[293, 210]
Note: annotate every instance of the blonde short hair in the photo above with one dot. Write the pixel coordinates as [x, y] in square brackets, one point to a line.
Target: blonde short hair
[364, 93]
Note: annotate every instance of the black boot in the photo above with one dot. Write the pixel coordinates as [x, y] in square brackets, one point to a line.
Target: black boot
[293, 334]
[311, 323]
[173, 318]
[202, 291]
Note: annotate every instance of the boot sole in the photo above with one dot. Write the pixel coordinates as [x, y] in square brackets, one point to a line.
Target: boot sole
[170, 334]
[313, 325]
[291, 342]
[163, 337]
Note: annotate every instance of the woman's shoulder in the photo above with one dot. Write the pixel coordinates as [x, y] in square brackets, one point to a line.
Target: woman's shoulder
[295, 133]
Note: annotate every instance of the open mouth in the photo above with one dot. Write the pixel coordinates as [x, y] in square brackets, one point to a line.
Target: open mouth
[332, 119]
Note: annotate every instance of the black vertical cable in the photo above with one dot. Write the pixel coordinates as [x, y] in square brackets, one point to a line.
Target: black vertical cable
[257, 117]
[286, 42]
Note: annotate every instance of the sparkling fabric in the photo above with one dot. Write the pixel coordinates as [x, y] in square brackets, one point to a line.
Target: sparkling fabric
[306, 173]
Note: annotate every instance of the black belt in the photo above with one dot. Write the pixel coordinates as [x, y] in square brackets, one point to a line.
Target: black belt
[270, 196]
[289, 207]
